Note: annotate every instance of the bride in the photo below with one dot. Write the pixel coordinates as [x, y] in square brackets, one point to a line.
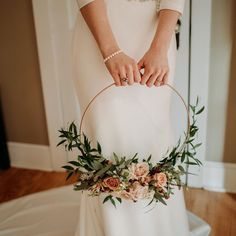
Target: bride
[113, 41]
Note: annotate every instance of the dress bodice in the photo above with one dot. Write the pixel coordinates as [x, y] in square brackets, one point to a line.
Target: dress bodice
[176, 5]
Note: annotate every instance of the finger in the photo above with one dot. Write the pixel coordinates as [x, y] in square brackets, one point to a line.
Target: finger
[140, 64]
[159, 79]
[145, 76]
[116, 79]
[130, 75]
[166, 78]
[137, 75]
[122, 74]
[152, 79]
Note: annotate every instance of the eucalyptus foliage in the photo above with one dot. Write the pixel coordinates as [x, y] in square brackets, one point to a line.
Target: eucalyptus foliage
[91, 167]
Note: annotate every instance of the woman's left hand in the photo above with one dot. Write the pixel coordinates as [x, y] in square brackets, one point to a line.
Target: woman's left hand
[156, 68]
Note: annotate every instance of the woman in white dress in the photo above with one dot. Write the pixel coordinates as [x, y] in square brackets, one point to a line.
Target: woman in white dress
[133, 115]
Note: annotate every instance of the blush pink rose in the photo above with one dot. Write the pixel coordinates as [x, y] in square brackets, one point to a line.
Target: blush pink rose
[138, 191]
[160, 179]
[138, 170]
[112, 183]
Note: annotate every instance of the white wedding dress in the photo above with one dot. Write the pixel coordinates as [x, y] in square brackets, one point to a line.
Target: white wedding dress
[124, 120]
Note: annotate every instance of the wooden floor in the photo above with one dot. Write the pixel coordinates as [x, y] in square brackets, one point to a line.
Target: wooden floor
[218, 209]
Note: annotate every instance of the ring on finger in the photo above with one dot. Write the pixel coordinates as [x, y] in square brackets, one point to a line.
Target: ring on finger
[158, 82]
[124, 79]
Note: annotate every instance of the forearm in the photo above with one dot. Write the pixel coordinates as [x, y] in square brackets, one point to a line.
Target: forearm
[166, 26]
[96, 18]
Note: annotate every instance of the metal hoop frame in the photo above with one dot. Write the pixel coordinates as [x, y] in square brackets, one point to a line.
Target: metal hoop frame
[107, 87]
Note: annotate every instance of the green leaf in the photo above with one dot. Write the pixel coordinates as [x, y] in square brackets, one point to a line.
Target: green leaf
[107, 198]
[197, 145]
[193, 108]
[116, 158]
[121, 163]
[102, 171]
[150, 166]
[61, 142]
[128, 162]
[74, 128]
[99, 148]
[150, 202]
[199, 161]
[75, 163]
[84, 185]
[181, 168]
[119, 199]
[193, 132]
[183, 156]
[101, 159]
[160, 198]
[93, 150]
[190, 140]
[69, 175]
[68, 167]
[197, 100]
[200, 110]
[149, 158]
[190, 163]
[134, 156]
[96, 165]
[70, 127]
[81, 150]
[113, 202]
[174, 161]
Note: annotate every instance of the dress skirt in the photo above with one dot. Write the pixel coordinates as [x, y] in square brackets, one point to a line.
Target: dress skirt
[126, 120]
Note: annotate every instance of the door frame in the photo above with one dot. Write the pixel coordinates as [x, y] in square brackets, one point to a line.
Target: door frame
[200, 39]
[47, 16]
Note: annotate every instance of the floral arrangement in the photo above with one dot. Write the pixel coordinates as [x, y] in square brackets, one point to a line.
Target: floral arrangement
[129, 178]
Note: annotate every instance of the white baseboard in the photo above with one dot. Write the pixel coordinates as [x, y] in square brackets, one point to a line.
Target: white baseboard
[29, 156]
[217, 176]
[220, 177]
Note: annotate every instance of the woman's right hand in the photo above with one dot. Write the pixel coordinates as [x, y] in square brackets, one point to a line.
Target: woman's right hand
[122, 66]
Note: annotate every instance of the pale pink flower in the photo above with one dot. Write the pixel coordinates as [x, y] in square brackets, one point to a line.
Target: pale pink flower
[138, 191]
[160, 179]
[138, 170]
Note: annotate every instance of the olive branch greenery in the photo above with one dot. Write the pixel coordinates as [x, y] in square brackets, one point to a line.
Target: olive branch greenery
[91, 167]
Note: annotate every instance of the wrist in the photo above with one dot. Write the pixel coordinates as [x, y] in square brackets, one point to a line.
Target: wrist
[159, 47]
[161, 42]
[112, 55]
[107, 50]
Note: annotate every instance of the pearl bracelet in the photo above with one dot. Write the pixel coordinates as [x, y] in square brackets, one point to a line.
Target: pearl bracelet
[112, 55]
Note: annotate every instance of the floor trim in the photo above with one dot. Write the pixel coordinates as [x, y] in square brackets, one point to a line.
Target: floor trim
[30, 156]
[220, 177]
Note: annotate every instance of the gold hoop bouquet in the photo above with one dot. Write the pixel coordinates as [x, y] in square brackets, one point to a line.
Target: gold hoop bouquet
[120, 177]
